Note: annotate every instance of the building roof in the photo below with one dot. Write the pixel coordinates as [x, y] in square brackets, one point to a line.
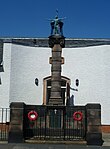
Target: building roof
[69, 43]
[43, 42]
[1, 55]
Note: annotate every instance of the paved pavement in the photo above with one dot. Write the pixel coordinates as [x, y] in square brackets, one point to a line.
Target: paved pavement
[106, 145]
[106, 138]
[49, 146]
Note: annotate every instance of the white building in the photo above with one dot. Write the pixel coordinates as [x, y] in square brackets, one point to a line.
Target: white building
[85, 59]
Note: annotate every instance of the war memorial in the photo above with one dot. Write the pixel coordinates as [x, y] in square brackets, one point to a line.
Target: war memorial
[57, 120]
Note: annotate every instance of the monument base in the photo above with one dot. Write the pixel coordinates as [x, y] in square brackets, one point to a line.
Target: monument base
[55, 101]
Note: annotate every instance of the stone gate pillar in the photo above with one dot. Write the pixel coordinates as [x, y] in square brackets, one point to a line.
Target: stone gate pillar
[56, 42]
[16, 123]
[93, 134]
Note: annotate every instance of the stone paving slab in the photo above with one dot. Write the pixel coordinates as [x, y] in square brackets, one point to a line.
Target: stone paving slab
[106, 145]
[106, 138]
[49, 146]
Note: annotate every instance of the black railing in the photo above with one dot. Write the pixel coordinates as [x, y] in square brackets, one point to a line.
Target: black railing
[52, 123]
[55, 123]
[4, 123]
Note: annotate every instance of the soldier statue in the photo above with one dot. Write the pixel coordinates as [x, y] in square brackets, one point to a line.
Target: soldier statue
[56, 26]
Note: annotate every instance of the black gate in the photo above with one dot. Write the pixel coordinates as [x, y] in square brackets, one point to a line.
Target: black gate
[54, 122]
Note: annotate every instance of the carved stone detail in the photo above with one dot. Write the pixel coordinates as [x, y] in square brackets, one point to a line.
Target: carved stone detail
[56, 40]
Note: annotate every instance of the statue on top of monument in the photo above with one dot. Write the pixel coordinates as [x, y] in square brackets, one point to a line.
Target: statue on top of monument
[56, 25]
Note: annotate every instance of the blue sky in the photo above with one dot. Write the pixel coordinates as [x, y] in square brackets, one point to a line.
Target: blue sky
[28, 18]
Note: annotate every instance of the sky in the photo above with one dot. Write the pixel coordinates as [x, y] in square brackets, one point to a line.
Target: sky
[29, 18]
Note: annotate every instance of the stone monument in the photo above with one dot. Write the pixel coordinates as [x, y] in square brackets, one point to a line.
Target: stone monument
[55, 120]
[56, 42]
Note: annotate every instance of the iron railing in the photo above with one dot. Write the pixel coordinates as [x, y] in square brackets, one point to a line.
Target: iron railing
[55, 123]
[52, 123]
[4, 123]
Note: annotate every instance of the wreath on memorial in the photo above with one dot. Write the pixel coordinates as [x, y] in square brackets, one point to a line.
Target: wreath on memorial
[78, 116]
[32, 115]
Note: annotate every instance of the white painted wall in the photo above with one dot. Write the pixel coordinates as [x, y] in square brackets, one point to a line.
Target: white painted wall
[28, 63]
[91, 65]
[5, 77]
